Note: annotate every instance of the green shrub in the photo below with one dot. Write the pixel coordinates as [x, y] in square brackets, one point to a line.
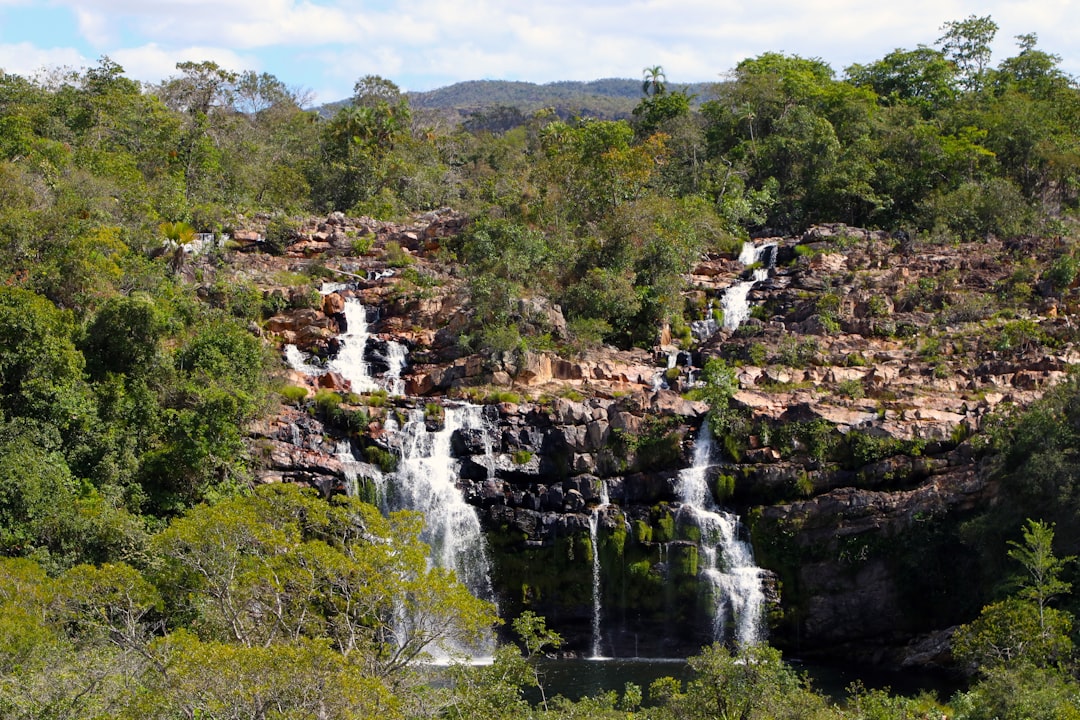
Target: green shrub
[293, 394]
[362, 245]
[522, 457]
[327, 400]
[280, 232]
[376, 398]
[383, 459]
[504, 396]
[397, 256]
[1062, 273]
[852, 388]
[757, 354]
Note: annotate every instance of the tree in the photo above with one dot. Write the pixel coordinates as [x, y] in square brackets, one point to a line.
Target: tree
[40, 367]
[750, 683]
[284, 564]
[1012, 633]
[124, 336]
[202, 87]
[373, 90]
[922, 77]
[967, 44]
[653, 81]
[536, 637]
[1043, 569]
[1023, 630]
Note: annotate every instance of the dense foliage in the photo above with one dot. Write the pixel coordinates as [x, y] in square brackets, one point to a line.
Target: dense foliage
[142, 576]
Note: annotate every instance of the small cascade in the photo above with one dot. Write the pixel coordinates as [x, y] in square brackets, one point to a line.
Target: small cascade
[706, 327]
[726, 561]
[597, 597]
[298, 361]
[356, 470]
[396, 359]
[350, 359]
[734, 301]
[426, 481]
[660, 378]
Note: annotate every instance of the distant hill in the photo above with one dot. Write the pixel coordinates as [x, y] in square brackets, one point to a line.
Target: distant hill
[610, 98]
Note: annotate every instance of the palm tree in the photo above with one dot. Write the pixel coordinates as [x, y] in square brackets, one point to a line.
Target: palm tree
[653, 80]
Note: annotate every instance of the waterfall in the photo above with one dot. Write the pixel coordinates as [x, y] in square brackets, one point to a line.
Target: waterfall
[706, 327]
[298, 361]
[660, 378]
[597, 596]
[597, 609]
[350, 359]
[395, 360]
[350, 362]
[734, 301]
[727, 562]
[426, 481]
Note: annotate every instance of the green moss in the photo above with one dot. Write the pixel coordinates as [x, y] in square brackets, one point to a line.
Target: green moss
[683, 561]
[293, 394]
[663, 524]
[384, 459]
[643, 532]
[690, 532]
[613, 544]
[724, 487]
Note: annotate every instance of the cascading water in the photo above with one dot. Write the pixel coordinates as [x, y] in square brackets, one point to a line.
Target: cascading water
[426, 481]
[660, 378]
[350, 361]
[734, 301]
[395, 360]
[298, 361]
[426, 477]
[350, 358]
[727, 562]
[597, 598]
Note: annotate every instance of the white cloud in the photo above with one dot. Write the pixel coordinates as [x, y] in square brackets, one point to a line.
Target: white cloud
[25, 59]
[429, 42]
[152, 63]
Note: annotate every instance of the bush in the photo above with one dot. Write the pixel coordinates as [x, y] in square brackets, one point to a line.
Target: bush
[851, 389]
[293, 394]
[362, 245]
[976, 210]
[383, 459]
[280, 232]
[397, 256]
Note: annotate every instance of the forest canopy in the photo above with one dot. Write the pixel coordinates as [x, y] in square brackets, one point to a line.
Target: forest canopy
[142, 573]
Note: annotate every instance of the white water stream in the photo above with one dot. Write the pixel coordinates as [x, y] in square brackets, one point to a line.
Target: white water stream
[726, 561]
[350, 361]
[734, 301]
[350, 358]
[426, 481]
[597, 596]
[396, 358]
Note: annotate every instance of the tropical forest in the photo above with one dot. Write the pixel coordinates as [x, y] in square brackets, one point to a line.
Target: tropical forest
[758, 396]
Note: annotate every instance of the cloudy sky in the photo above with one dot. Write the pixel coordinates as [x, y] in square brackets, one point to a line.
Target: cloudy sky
[325, 45]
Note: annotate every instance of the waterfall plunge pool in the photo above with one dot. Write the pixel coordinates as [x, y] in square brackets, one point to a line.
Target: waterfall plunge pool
[575, 678]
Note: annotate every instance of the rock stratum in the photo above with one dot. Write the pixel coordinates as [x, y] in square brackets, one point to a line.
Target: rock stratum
[865, 370]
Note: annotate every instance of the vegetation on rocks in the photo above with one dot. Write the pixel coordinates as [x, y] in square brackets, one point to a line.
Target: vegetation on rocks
[909, 384]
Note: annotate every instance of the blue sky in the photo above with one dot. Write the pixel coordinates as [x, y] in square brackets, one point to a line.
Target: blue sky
[325, 45]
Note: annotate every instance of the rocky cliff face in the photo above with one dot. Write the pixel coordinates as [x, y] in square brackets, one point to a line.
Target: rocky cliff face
[864, 370]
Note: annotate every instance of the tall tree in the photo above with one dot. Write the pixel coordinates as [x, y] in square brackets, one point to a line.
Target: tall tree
[653, 81]
[967, 43]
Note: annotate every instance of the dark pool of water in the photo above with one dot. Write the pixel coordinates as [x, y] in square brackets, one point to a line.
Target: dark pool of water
[578, 678]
